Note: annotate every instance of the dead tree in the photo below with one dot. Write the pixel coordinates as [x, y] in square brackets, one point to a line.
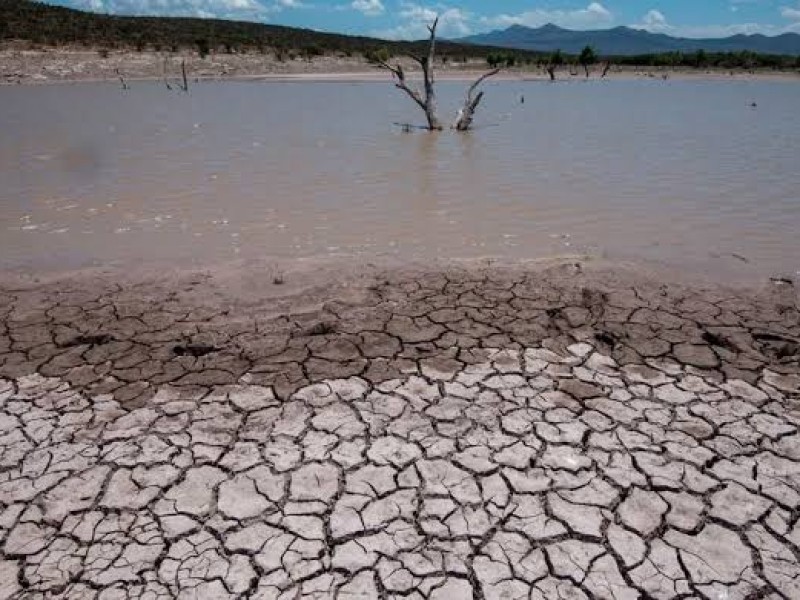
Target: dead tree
[426, 99]
[166, 80]
[471, 102]
[606, 69]
[551, 70]
[122, 82]
[427, 102]
[185, 83]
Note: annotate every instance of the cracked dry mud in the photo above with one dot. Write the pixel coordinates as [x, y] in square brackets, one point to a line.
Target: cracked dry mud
[443, 435]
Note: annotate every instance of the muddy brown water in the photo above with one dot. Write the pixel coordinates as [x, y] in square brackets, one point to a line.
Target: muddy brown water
[688, 174]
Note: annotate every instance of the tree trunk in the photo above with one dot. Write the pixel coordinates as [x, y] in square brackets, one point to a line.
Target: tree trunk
[185, 84]
[166, 80]
[427, 102]
[471, 102]
[121, 80]
[430, 90]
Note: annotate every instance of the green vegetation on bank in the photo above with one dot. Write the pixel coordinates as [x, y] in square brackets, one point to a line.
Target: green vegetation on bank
[692, 60]
[723, 60]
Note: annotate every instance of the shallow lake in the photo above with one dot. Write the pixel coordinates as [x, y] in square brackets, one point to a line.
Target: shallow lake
[689, 174]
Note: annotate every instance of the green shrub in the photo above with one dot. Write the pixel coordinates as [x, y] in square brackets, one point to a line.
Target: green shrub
[203, 47]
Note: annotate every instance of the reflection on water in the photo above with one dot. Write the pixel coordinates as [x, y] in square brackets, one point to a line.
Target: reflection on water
[685, 173]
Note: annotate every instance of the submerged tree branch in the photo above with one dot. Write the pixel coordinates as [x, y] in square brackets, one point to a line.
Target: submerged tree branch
[400, 82]
[185, 85]
[426, 100]
[166, 79]
[122, 82]
[467, 114]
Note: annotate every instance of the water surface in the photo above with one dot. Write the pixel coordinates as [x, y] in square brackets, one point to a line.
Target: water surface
[685, 173]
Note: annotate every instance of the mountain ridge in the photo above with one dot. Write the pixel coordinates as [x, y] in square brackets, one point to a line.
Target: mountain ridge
[52, 25]
[628, 41]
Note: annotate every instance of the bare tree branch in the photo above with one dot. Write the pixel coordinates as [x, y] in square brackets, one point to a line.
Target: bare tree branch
[185, 86]
[606, 69]
[480, 80]
[125, 86]
[432, 45]
[428, 75]
[426, 102]
[471, 102]
[166, 80]
[400, 82]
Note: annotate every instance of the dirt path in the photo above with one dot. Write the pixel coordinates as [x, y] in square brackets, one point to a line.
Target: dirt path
[561, 432]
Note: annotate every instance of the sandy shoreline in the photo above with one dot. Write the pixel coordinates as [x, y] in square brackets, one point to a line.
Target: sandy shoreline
[19, 66]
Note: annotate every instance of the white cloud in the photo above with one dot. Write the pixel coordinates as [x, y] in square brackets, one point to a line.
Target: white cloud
[716, 31]
[654, 21]
[793, 14]
[368, 7]
[595, 15]
[453, 22]
[250, 10]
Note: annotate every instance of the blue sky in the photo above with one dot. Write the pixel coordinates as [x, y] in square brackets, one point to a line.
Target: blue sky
[404, 19]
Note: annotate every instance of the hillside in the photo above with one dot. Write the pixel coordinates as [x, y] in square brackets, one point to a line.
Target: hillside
[54, 25]
[624, 41]
[50, 26]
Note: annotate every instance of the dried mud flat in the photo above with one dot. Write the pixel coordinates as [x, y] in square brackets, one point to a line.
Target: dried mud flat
[560, 432]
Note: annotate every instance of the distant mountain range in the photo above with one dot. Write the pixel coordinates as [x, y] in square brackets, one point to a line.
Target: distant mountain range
[625, 41]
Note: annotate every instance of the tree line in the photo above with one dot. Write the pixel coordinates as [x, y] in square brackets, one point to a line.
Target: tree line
[54, 25]
[701, 59]
[698, 59]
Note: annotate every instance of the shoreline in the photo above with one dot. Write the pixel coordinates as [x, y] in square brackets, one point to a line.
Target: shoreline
[243, 291]
[460, 77]
[31, 67]
[327, 269]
